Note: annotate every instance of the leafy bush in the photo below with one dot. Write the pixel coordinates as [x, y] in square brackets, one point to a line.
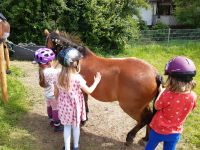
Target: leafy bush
[160, 25]
[160, 32]
[28, 19]
[100, 23]
[188, 14]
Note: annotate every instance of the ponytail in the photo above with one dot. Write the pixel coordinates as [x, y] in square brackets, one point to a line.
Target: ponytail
[42, 81]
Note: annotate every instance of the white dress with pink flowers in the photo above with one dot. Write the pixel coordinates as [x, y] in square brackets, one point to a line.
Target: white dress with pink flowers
[71, 104]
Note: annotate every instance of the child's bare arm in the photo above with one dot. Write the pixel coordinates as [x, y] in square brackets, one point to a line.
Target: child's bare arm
[90, 89]
[158, 104]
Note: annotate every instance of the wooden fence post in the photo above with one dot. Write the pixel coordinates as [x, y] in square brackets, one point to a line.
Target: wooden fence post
[3, 74]
[6, 51]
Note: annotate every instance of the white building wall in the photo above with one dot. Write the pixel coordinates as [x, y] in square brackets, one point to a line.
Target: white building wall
[147, 14]
[168, 20]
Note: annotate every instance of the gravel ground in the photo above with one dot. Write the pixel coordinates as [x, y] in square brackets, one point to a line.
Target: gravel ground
[106, 129]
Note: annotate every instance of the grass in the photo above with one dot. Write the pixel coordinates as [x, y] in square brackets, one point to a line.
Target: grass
[14, 137]
[158, 55]
[11, 135]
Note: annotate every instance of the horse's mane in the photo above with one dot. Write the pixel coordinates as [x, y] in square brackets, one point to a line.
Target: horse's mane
[70, 40]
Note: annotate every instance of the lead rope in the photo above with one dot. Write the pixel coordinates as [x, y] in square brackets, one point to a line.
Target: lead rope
[21, 46]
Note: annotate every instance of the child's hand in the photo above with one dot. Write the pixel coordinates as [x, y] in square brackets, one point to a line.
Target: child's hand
[97, 78]
[161, 89]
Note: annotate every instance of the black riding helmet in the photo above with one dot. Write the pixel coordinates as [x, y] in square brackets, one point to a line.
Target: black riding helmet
[67, 56]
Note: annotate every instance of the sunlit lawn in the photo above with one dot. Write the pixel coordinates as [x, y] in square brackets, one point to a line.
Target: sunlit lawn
[158, 55]
[12, 137]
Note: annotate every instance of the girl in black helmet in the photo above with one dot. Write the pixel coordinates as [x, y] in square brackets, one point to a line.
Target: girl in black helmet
[71, 107]
[174, 104]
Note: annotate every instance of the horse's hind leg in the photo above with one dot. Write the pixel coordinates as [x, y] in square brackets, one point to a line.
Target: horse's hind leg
[146, 117]
[86, 108]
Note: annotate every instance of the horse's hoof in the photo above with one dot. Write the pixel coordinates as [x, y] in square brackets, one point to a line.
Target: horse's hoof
[83, 123]
[142, 142]
[145, 139]
[128, 143]
[8, 72]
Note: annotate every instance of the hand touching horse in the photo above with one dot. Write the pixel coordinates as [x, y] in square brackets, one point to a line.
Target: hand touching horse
[130, 81]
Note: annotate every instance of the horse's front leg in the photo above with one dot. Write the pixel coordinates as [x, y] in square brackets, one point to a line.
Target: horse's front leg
[146, 117]
[86, 108]
[86, 105]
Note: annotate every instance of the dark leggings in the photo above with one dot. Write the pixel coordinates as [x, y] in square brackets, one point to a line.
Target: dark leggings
[170, 140]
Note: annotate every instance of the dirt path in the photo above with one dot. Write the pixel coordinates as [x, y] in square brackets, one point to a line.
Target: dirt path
[106, 129]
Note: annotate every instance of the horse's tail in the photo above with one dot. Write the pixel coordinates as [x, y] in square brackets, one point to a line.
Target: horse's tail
[159, 81]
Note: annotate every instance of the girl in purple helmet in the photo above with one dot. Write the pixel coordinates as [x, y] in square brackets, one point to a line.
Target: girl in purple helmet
[44, 57]
[173, 104]
[68, 88]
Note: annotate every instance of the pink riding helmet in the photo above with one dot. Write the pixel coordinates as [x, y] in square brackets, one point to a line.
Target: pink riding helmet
[44, 55]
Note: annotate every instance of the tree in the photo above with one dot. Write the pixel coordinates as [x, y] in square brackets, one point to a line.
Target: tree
[28, 19]
[108, 24]
[102, 23]
[188, 12]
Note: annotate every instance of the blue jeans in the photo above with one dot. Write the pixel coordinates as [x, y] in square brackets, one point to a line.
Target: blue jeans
[170, 140]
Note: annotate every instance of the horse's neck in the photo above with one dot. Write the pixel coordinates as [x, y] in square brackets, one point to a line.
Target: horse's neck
[92, 58]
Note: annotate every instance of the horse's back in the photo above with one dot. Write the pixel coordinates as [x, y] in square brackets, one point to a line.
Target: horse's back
[120, 77]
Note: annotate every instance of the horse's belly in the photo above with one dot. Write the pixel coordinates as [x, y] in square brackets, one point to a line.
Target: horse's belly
[104, 95]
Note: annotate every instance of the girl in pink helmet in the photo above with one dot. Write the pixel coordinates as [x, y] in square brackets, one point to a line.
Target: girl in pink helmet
[174, 104]
[47, 73]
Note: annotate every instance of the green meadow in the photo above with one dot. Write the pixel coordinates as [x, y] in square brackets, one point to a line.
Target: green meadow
[156, 54]
[11, 135]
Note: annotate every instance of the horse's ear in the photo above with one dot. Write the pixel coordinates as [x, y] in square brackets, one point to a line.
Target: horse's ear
[46, 32]
[57, 31]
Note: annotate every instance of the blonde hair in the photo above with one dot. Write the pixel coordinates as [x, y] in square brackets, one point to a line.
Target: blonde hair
[65, 75]
[42, 81]
[174, 85]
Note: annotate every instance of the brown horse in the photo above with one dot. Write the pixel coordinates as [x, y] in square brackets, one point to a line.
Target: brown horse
[4, 34]
[130, 81]
[4, 28]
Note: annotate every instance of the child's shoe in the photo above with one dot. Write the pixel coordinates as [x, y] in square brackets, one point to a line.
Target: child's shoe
[59, 128]
[51, 123]
[75, 148]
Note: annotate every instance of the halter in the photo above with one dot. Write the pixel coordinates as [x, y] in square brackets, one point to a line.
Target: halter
[57, 46]
[59, 42]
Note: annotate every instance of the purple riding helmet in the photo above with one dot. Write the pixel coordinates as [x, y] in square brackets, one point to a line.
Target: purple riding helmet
[181, 68]
[44, 55]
